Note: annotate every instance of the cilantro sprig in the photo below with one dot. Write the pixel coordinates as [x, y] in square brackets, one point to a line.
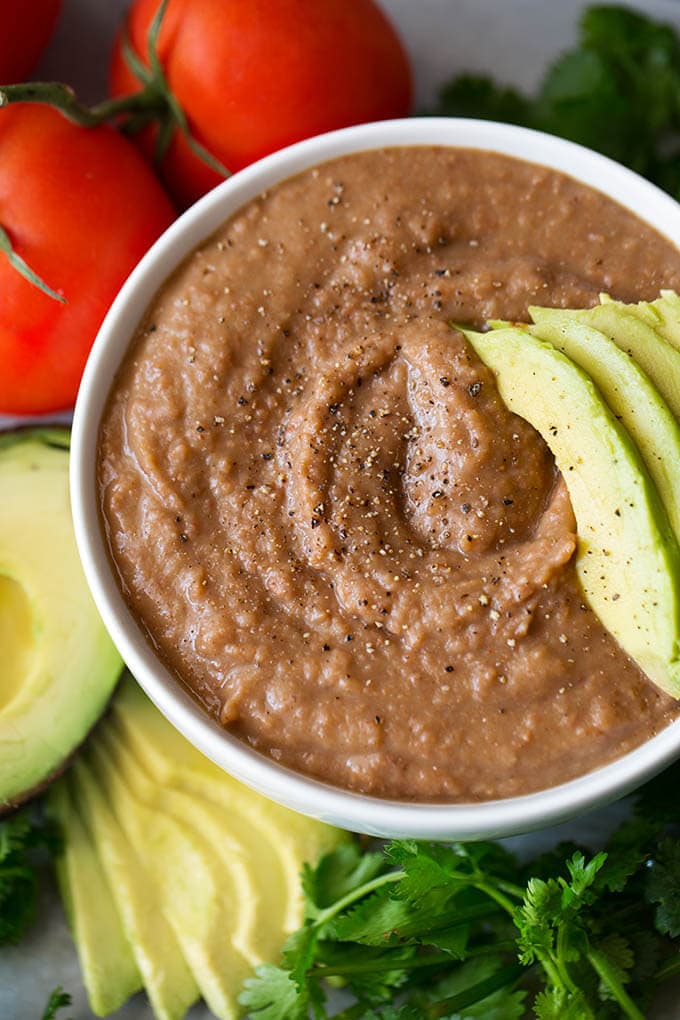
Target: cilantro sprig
[23, 837]
[419, 931]
[617, 91]
[59, 999]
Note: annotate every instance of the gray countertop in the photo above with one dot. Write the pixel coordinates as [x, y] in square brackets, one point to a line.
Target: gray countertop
[514, 40]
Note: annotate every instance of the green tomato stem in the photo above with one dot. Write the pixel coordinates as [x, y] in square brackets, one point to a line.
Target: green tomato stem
[154, 102]
[22, 267]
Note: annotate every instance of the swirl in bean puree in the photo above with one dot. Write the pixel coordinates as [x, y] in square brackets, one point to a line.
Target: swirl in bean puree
[322, 514]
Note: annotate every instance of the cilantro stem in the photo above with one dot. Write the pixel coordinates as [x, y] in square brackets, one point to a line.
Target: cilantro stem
[670, 969]
[496, 895]
[477, 992]
[562, 956]
[428, 960]
[603, 969]
[354, 895]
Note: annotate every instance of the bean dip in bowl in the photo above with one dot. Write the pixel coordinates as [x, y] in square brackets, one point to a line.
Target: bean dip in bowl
[323, 545]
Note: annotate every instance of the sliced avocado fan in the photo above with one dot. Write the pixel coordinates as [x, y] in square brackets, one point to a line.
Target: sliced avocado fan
[196, 876]
[629, 393]
[59, 665]
[656, 357]
[628, 559]
[662, 315]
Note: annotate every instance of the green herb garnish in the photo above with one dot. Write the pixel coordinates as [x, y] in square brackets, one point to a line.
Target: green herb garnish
[22, 836]
[58, 999]
[422, 930]
[617, 92]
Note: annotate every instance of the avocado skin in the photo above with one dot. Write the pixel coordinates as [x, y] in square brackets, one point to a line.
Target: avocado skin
[626, 547]
[61, 669]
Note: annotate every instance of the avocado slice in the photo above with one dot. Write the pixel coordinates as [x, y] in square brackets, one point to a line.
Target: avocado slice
[59, 664]
[628, 560]
[107, 962]
[168, 981]
[655, 356]
[629, 393]
[282, 840]
[206, 885]
[663, 314]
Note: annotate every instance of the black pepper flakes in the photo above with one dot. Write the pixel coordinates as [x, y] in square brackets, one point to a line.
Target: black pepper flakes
[449, 669]
[474, 389]
[267, 456]
[444, 381]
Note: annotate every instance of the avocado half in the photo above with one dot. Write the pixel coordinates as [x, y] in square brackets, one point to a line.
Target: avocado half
[58, 665]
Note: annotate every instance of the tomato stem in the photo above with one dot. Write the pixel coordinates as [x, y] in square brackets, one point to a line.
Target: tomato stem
[22, 267]
[63, 98]
[153, 102]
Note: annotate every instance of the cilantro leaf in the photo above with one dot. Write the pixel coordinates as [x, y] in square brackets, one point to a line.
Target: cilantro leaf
[473, 95]
[22, 837]
[375, 921]
[617, 91]
[425, 931]
[617, 953]
[273, 995]
[662, 887]
[58, 999]
[338, 873]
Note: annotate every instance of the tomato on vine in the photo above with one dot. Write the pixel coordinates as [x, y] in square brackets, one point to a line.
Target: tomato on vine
[250, 78]
[26, 28]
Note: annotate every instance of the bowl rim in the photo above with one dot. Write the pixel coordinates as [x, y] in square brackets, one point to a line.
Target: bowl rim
[347, 809]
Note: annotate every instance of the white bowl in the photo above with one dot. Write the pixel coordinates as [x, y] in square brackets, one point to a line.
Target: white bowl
[349, 810]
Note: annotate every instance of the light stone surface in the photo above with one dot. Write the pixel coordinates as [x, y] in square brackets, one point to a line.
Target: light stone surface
[513, 40]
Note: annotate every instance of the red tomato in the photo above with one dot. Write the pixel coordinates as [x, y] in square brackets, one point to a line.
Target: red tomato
[26, 26]
[80, 206]
[255, 75]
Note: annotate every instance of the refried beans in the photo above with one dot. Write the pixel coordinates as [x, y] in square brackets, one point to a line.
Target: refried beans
[322, 514]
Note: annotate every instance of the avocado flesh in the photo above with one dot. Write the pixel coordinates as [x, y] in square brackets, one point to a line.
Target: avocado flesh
[59, 664]
[167, 979]
[627, 559]
[658, 359]
[629, 393]
[107, 963]
[662, 315]
[204, 893]
[287, 838]
[204, 873]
